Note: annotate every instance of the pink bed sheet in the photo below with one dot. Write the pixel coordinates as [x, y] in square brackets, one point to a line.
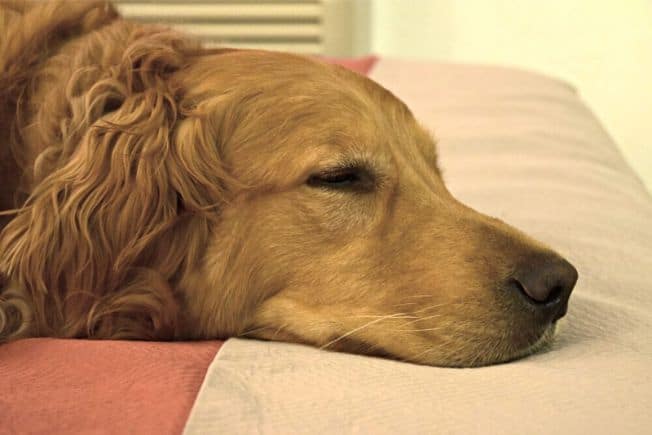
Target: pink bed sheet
[54, 386]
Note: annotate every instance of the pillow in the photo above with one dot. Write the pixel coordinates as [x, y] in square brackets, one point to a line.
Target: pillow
[361, 65]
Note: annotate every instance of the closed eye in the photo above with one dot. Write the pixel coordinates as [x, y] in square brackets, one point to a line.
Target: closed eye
[342, 178]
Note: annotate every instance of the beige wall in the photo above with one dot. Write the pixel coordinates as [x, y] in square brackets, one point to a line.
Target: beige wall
[603, 47]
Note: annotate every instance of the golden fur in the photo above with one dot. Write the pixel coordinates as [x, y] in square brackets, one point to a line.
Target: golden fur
[156, 190]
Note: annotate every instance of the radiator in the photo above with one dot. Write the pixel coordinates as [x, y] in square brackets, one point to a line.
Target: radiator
[320, 27]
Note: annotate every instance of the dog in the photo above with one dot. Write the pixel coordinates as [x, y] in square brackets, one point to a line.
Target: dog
[152, 189]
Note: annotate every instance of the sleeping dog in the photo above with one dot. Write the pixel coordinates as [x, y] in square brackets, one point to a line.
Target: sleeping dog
[152, 189]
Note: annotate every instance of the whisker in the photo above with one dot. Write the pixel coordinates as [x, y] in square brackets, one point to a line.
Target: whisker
[279, 330]
[251, 331]
[353, 331]
[400, 316]
[420, 354]
[421, 318]
[430, 307]
[420, 330]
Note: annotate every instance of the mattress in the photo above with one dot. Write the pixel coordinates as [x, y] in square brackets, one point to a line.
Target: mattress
[513, 144]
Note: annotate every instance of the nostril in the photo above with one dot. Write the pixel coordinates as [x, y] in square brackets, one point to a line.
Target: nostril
[555, 294]
[536, 292]
[534, 298]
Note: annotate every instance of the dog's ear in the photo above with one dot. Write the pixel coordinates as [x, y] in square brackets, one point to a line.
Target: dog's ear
[120, 209]
[32, 31]
[15, 311]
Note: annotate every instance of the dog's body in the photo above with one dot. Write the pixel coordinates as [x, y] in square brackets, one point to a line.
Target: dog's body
[163, 191]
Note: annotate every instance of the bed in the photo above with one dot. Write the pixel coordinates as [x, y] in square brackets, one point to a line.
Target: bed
[513, 144]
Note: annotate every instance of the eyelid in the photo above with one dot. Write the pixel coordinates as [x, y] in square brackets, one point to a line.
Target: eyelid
[366, 177]
[340, 169]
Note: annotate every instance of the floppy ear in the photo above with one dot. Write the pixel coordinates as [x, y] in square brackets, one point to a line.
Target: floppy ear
[121, 210]
[31, 31]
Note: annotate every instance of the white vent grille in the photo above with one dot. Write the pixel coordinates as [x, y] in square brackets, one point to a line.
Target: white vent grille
[300, 26]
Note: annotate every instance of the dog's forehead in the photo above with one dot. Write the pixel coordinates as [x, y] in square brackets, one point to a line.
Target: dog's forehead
[361, 116]
[291, 104]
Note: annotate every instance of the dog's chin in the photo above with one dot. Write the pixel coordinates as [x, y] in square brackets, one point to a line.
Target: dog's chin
[542, 343]
[498, 353]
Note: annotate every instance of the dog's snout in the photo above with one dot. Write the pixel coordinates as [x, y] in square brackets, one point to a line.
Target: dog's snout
[547, 282]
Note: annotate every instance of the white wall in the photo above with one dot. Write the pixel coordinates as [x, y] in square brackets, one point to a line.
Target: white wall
[603, 47]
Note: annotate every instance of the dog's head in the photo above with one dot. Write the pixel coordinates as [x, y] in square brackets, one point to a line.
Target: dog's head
[257, 194]
[343, 234]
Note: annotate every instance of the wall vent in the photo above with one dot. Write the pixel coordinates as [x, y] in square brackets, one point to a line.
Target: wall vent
[318, 27]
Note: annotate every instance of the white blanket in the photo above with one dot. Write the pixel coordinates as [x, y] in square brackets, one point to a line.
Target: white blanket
[522, 147]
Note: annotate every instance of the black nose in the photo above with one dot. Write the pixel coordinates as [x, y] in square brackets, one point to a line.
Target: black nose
[546, 281]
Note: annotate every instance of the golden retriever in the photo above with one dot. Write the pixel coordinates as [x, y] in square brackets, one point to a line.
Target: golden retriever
[155, 190]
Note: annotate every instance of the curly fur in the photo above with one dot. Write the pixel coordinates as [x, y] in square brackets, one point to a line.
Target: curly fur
[106, 173]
